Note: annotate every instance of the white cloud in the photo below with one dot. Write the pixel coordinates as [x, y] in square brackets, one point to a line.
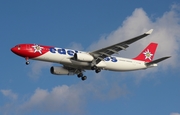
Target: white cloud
[11, 105]
[36, 69]
[71, 99]
[166, 33]
[65, 99]
[60, 99]
[9, 94]
[175, 114]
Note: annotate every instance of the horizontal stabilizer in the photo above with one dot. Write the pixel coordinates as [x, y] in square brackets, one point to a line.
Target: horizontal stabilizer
[158, 60]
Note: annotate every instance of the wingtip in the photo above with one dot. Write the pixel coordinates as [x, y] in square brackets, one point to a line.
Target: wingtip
[168, 56]
[149, 32]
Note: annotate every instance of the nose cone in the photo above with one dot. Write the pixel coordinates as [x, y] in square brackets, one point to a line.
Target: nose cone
[16, 49]
[13, 49]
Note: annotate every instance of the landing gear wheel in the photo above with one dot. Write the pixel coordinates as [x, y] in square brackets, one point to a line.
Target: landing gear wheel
[80, 75]
[84, 78]
[27, 63]
[98, 70]
[94, 67]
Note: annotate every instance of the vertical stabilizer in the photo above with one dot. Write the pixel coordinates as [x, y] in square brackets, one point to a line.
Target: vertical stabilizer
[148, 53]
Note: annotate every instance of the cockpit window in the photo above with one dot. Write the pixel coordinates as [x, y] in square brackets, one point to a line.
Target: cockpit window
[18, 46]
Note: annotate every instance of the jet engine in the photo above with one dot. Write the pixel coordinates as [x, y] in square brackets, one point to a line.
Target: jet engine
[83, 57]
[60, 71]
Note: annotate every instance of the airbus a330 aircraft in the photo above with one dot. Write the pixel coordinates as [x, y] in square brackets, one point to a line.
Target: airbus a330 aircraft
[76, 62]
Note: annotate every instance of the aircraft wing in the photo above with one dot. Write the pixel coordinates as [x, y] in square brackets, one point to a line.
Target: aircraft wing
[114, 49]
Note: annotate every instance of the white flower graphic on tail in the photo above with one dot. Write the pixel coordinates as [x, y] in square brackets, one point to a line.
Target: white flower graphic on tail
[147, 54]
[37, 48]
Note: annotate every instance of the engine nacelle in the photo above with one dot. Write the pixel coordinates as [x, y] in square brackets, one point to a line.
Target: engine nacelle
[83, 57]
[60, 71]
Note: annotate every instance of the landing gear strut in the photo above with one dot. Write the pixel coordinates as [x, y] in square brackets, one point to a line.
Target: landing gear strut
[93, 67]
[27, 62]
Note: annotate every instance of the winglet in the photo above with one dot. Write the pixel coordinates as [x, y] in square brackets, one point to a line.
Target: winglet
[149, 32]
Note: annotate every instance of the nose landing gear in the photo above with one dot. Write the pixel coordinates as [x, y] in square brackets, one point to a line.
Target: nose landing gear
[27, 62]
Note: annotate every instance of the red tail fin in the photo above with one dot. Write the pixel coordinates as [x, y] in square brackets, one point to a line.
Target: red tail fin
[148, 53]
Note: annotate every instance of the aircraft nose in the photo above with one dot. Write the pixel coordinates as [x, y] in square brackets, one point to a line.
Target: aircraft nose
[13, 49]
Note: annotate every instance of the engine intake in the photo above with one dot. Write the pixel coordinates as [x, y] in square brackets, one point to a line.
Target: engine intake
[83, 57]
[60, 71]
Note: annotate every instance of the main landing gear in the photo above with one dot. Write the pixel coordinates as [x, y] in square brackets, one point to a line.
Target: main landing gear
[80, 75]
[97, 70]
[27, 62]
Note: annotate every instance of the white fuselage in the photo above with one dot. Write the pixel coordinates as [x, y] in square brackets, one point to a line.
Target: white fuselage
[111, 63]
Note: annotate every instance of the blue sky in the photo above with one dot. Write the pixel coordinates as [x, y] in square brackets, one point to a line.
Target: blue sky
[89, 25]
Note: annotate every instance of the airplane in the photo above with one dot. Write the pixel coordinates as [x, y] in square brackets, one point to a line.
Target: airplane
[75, 62]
